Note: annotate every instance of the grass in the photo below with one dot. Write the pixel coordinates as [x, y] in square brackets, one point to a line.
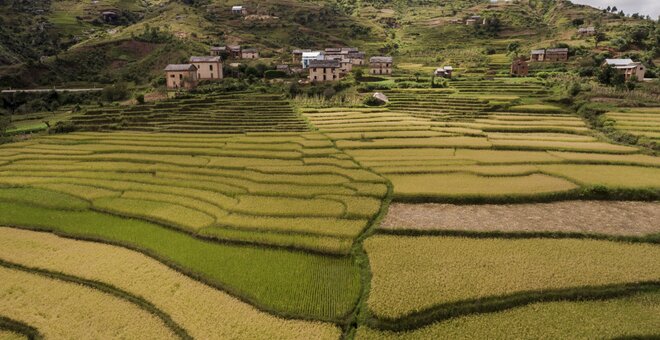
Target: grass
[469, 269]
[62, 309]
[192, 304]
[286, 283]
[630, 316]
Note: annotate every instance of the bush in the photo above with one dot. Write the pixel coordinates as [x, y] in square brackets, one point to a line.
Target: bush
[273, 74]
[371, 101]
[139, 98]
[115, 92]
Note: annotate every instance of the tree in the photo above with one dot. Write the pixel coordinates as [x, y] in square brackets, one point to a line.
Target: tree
[609, 9]
[513, 48]
[578, 22]
[598, 37]
[613, 10]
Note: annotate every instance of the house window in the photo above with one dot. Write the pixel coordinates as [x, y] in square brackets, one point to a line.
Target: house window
[180, 76]
[211, 67]
[171, 76]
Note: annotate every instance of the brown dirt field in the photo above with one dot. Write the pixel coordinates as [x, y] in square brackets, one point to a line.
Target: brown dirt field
[602, 217]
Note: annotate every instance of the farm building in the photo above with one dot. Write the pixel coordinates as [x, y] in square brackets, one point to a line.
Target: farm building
[519, 68]
[556, 54]
[309, 56]
[357, 58]
[586, 31]
[283, 68]
[444, 71]
[456, 21]
[218, 50]
[348, 50]
[380, 65]
[208, 68]
[537, 55]
[333, 50]
[250, 53]
[234, 51]
[238, 10]
[181, 76]
[324, 70]
[627, 67]
[297, 56]
[475, 20]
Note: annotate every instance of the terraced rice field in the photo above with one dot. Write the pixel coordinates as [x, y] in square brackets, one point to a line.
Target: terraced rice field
[216, 113]
[634, 316]
[641, 122]
[217, 196]
[415, 274]
[204, 312]
[484, 155]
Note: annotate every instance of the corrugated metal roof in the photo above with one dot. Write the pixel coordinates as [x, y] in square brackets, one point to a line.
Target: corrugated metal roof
[204, 59]
[323, 63]
[380, 59]
[557, 50]
[538, 51]
[619, 62]
[180, 67]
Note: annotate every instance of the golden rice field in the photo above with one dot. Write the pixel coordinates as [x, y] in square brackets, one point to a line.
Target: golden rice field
[205, 312]
[633, 316]
[412, 274]
[68, 310]
[482, 155]
[640, 122]
[238, 216]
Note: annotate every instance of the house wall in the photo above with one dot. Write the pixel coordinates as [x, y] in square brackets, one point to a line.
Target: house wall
[250, 55]
[380, 68]
[209, 70]
[181, 79]
[554, 56]
[321, 74]
[519, 69]
[537, 57]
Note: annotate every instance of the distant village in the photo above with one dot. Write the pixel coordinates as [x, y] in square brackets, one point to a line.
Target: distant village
[334, 63]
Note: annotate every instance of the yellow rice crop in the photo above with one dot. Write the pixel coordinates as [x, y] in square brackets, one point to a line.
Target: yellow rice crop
[460, 184]
[415, 273]
[622, 317]
[619, 176]
[9, 335]
[555, 145]
[205, 312]
[582, 156]
[70, 311]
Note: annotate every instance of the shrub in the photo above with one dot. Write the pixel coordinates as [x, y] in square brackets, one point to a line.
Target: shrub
[272, 74]
[371, 101]
[118, 91]
[139, 98]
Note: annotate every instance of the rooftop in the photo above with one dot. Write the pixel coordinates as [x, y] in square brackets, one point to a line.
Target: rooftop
[619, 62]
[250, 50]
[204, 59]
[236, 8]
[538, 51]
[324, 63]
[557, 50]
[180, 67]
[380, 59]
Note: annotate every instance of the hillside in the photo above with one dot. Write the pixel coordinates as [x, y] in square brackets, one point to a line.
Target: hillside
[63, 42]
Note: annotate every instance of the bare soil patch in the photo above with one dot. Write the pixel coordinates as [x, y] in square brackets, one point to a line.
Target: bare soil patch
[602, 217]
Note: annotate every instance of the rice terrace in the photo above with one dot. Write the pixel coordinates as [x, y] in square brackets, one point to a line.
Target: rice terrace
[328, 169]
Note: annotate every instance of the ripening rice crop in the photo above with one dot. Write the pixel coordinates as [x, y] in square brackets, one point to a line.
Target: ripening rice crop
[62, 310]
[607, 158]
[415, 273]
[465, 185]
[294, 283]
[615, 176]
[569, 146]
[637, 315]
[205, 312]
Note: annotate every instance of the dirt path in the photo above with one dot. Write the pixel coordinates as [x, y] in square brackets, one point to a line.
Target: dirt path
[603, 217]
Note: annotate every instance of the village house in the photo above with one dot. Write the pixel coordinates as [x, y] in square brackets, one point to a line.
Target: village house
[537, 55]
[456, 21]
[556, 54]
[309, 56]
[349, 50]
[250, 53]
[585, 31]
[357, 58]
[333, 50]
[380, 65]
[324, 70]
[444, 72]
[238, 10]
[627, 67]
[283, 68]
[181, 76]
[234, 51]
[519, 68]
[475, 20]
[297, 56]
[218, 50]
[208, 68]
